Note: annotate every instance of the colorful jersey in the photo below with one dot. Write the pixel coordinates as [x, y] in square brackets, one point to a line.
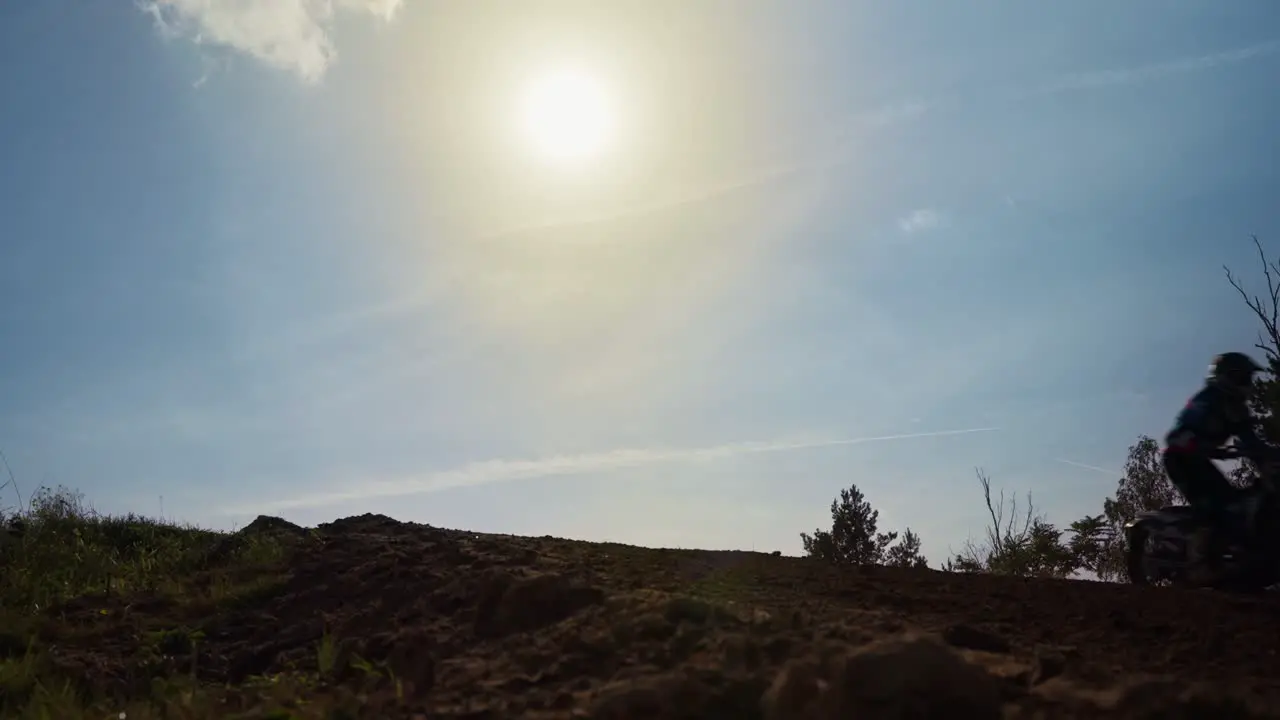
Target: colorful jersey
[1211, 418]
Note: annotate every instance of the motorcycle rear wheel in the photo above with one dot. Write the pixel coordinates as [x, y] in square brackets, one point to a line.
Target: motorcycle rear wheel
[1135, 556]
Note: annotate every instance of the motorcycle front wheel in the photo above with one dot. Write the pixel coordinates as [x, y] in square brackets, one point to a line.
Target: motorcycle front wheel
[1135, 555]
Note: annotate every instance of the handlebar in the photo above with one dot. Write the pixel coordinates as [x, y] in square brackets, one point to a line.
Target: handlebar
[1268, 473]
[1229, 452]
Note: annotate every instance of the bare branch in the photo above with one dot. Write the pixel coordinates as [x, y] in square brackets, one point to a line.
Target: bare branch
[1011, 531]
[1030, 519]
[1013, 515]
[12, 479]
[993, 533]
[1268, 312]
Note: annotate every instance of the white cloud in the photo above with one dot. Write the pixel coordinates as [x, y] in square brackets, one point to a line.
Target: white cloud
[492, 471]
[920, 221]
[293, 35]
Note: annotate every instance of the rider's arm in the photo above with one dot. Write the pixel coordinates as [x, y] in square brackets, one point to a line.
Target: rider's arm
[1192, 423]
[1251, 446]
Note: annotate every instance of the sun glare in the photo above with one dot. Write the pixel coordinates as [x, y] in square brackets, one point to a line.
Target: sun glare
[567, 115]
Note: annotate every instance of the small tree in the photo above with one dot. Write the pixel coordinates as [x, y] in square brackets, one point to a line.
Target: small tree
[1091, 545]
[1004, 532]
[853, 539]
[1098, 540]
[1040, 554]
[907, 552]
[1022, 544]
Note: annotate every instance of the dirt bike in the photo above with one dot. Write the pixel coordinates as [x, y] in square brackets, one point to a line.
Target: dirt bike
[1158, 543]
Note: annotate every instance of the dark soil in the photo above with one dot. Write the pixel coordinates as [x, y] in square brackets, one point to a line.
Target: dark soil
[462, 625]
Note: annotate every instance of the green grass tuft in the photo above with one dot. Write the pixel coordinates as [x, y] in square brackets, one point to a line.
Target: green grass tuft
[68, 574]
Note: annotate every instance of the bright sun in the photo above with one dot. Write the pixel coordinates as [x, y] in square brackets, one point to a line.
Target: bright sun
[567, 115]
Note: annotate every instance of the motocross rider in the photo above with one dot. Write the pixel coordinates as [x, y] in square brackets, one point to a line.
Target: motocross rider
[1215, 414]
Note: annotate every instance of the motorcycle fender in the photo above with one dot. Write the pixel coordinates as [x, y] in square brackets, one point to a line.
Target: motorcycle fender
[1151, 527]
[1139, 522]
[1154, 520]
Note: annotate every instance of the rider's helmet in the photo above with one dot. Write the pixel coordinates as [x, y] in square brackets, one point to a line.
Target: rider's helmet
[1233, 371]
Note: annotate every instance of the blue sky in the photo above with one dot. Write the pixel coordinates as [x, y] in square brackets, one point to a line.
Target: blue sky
[294, 259]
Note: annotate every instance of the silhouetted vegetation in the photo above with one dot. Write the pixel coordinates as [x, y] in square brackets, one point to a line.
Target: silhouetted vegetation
[58, 557]
[854, 538]
[1019, 539]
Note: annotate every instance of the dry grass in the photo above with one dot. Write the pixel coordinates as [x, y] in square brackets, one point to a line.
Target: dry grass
[69, 572]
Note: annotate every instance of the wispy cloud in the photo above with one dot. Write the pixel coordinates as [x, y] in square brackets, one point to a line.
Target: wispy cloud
[494, 471]
[920, 220]
[294, 35]
[1155, 71]
[1095, 468]
[832, 151]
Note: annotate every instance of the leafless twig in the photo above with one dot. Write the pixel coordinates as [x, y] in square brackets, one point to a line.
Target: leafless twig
[12, 480]
[1268, 311]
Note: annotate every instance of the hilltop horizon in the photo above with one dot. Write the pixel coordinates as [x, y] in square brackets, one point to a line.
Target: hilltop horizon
[671, 274]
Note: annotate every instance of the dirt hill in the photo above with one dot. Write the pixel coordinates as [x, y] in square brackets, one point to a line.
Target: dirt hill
[394, 619]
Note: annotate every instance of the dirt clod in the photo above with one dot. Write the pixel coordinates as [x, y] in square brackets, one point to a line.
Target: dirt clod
[1050, 663]
[524, 604]
[916, 679]
[972, 638]
[272, 524]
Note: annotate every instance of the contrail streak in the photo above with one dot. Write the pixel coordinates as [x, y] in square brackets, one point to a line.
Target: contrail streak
[1155, 71]
[493, 471]
[1094, 468]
